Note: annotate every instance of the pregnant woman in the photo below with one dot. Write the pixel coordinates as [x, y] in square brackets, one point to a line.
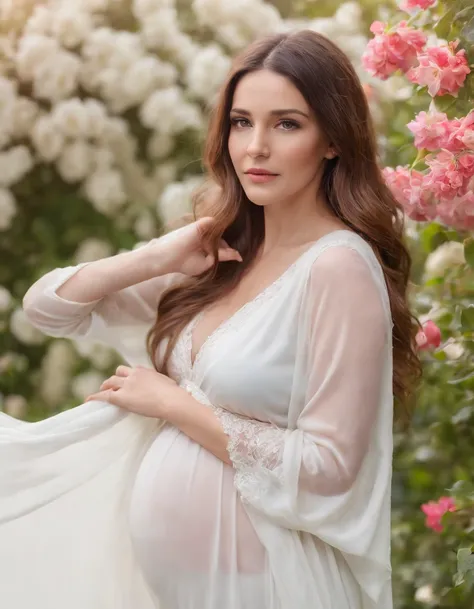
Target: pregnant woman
[241, 457]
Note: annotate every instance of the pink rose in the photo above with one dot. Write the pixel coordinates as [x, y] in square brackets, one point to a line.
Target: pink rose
[466, 164]
[429, 336]
[459, 212]
[445, 179]
[392, 50]
[411, 5]
[441, 69]
[431, 130]
[407, 188]
[435, 510]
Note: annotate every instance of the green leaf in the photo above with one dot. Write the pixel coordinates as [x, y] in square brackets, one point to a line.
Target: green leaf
[467, 319]
[469, 251]
[465, 561]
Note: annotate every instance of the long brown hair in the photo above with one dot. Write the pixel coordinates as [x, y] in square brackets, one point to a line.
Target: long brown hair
[351, 183]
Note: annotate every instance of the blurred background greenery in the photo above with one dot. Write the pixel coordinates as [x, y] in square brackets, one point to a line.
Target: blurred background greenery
[103, 107]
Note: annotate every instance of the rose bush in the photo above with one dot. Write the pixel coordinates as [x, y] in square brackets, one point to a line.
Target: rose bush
[429, 157]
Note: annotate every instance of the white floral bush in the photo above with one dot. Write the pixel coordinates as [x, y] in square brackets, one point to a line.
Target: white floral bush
[103, 107]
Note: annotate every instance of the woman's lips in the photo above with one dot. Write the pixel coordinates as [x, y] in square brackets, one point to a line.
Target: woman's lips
[259, 178]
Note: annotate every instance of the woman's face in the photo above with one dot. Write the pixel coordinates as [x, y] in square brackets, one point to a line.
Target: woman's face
[274, 129]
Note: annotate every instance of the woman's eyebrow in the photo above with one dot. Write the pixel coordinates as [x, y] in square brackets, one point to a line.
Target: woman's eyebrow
[273, 112]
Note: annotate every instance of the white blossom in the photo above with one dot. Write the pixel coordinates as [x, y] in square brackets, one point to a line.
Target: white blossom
[8, 208]
[92, 249]
[47, 139]
[176, 200]
[70, 25]
[15, 163]
[74, 162]
[87, 383]
[348, 17]
[105, 190]
[447, 255]
[57, 77]
[207, 71]
[71, 117]
[40, 21]
[424, 594]
[99, 355]
[145, 226]
[145, 75]
[96, 117]
[33, 51]
[5, 299]
[453, 349]
[167, 111]
[160, 29]
[143, 9]
[102, 158]
[23, 330]
[160, 145]
[25, 113]
[56, 372]
[15, 406]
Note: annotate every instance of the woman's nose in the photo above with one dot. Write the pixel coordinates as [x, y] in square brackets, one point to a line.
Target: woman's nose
[258, 144]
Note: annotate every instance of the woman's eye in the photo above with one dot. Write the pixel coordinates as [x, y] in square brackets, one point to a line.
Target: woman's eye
[237, 121]
[289, 125]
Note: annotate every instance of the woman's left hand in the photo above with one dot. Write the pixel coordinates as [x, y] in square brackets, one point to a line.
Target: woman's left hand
[141, 390]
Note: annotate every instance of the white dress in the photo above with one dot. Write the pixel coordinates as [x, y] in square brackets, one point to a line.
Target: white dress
[103, 509]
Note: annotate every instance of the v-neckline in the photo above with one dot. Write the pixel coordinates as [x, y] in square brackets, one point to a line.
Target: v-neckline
[229, 320]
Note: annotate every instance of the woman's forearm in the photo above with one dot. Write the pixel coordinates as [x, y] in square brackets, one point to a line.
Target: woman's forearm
[102, 277]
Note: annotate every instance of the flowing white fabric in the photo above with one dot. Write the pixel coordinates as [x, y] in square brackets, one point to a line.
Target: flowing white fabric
[103, 509]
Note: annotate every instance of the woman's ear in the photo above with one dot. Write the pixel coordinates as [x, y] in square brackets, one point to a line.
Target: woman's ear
[330, 153]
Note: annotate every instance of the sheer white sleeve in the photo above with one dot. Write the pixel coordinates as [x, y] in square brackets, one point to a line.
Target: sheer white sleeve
[346, 341]
[101, 320]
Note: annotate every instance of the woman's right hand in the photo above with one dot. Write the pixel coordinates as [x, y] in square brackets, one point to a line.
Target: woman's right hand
[187, 252]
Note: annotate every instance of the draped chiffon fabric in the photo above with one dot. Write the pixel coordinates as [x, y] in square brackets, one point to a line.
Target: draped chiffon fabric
[103, 509]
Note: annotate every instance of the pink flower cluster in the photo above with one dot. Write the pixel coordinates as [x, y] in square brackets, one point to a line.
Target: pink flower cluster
[429, 337]
[390, 51]
[435, 510]
[411, 5]
[441, 69]
[446, 190]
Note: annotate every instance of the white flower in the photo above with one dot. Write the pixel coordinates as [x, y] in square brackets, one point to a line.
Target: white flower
[143, 76]
[15, 406]
[56, 371]
[25, 113]
[8, 208]
[143, 9]
[176, 200]
[33, 50]
[87, 383]
[39, 21]
[116, 130]
[96, 117]
[166, 111]
[160, 29]
[453, 349]
[5, 299]
[14, 165]
[160, 145]
[57, 77]
[424, 594]
[23, 330]
[447, 255]
[92, 249]
[96, 5]
[47, 139]
[348, 17]
[105, 190]
[71, 117]
[145, 226]
[102, 158]
[100, 356]
[70, 25]
[207, 71]
[74, 163]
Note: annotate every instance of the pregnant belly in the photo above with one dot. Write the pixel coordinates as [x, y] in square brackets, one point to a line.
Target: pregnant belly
[186, 514]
